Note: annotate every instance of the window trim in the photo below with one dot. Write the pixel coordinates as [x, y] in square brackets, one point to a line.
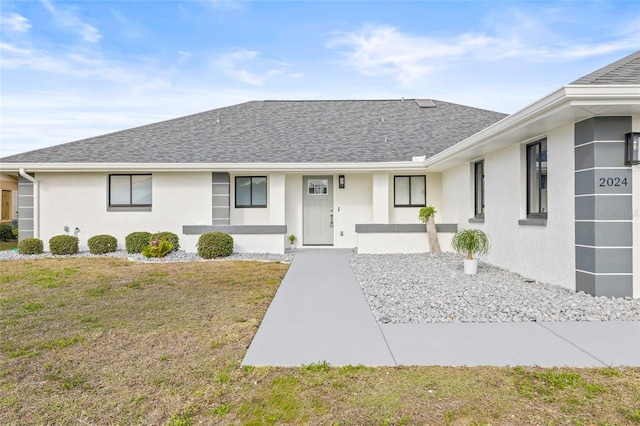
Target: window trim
[250, 206]
[529, 146]
[130, 206]
[424, 180]
[478, 214]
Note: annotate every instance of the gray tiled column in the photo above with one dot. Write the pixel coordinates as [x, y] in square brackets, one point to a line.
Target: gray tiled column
[25, 208]
[603, 208]
[220, 198]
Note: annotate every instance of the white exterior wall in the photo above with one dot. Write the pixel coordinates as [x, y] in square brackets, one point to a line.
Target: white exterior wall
[80, 200]
[635, 126]
[293, 206]
[381, 197]
[456, 204]
[548, 254]
[353, 205]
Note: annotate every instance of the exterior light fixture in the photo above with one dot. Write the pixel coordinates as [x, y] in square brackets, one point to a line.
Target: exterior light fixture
[341, 179]
[632, 148]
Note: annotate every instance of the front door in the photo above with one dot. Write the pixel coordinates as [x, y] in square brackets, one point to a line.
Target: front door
[6, 205]
[317, 206]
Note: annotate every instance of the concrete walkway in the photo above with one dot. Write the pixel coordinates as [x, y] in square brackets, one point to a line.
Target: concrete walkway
[320, 314]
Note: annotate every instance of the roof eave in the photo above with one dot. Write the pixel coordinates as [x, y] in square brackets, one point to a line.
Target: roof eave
[213, 167]
[569, 104]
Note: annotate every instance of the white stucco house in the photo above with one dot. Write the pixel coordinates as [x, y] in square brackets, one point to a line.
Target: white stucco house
[550, 183]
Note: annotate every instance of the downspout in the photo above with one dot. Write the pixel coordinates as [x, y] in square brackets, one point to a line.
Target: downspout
[36, 200]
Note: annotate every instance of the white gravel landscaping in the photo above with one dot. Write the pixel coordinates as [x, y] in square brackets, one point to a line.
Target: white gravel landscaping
[176, 256]
[426, 288]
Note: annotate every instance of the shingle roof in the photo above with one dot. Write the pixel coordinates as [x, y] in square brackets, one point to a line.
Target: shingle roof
[624, 71]
[282, 131]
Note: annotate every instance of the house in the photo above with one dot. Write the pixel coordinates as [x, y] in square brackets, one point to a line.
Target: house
[548, 183]
[9, 202]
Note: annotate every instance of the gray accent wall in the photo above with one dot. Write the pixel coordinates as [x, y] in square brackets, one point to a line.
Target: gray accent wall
[603, 208]
[381, 228]
[235, 229]
[220, 198]
[25, 208]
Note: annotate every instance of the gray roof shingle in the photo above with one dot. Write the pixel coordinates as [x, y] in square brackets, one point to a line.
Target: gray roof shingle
[624, 71]
[282, 131]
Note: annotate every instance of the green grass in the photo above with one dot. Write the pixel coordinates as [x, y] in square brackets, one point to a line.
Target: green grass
[107, 341]
[8, 245]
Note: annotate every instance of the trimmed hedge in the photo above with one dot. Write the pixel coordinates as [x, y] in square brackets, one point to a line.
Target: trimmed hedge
[136, 241]
[30, 246]
[215, 244]
[6, 232]
[63, 244]
[168, 236]
[100, 244]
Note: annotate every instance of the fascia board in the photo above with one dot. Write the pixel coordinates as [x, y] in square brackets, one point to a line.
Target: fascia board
[214, 167]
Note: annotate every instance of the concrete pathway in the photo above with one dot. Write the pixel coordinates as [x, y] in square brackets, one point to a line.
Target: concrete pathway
[320, 314]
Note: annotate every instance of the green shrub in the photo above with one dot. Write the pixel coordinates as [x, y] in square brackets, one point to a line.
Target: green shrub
[170, 237]
[100, 244]
[30, 246]
[6, 233]
[215, 244]
[136, 241]
[63, 244]
[157, 248]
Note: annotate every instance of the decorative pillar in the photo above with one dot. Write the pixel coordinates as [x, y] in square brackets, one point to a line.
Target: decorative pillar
[603, 208]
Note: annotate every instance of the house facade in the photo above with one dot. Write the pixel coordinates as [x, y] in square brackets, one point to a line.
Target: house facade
[548, 183]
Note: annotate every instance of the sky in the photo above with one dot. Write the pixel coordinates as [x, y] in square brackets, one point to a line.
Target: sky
[76, 69]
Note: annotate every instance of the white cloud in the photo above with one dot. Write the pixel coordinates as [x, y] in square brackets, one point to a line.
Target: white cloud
[15, 23]
[383, 50]
[183, 56]
[234, 65]
[66, 18]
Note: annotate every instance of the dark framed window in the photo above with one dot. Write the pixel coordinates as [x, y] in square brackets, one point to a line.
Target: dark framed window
[251, 191]
[409, 191]
[478, 173]
[537, 179]
[129, 190]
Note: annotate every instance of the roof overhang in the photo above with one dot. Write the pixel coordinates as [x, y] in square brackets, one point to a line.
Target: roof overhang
[567, 105]
[408, 166]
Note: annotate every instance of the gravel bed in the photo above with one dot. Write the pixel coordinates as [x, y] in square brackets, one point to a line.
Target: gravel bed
[426, 288]
[177, 256]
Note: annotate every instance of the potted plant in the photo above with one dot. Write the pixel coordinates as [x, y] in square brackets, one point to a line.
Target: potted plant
[292, 241]
[470, 241]
[426, 216]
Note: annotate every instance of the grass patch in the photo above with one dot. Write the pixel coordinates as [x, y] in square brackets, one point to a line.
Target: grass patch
[8, 245]
[107, 341]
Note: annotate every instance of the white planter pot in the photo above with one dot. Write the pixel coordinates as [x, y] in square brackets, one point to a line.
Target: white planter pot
[292, 246]
[470, 266]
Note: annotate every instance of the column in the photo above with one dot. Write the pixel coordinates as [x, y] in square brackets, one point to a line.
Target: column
[603, 208]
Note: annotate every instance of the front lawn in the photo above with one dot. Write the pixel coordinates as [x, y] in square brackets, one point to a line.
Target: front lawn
[8, 245]
[108, 341]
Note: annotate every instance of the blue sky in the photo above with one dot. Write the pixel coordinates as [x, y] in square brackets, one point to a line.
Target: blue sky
[75, 69]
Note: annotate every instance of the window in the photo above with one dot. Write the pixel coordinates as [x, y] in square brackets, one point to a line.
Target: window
[251, 191]
[478, 172]
[129, 190]
[537, 179]
[318, 186]
[409, 191]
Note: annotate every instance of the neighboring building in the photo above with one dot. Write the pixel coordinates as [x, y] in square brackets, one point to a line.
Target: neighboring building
[548, 183]
[9, 202]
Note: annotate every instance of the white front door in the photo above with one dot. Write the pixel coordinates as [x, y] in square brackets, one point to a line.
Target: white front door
[317, 201]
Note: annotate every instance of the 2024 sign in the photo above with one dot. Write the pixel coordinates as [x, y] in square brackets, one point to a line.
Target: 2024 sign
[613, 181]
